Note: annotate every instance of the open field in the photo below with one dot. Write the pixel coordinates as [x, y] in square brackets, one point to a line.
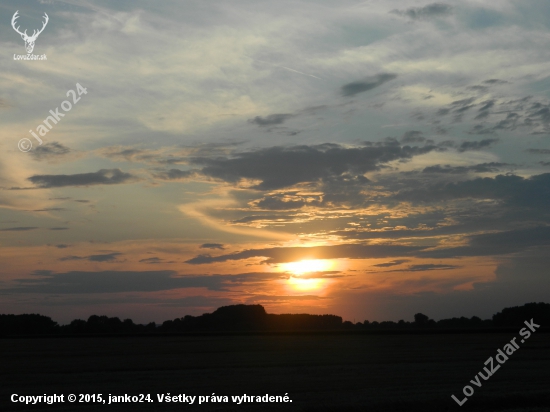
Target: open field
[319, 372]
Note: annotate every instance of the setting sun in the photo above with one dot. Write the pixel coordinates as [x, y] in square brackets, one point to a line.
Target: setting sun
[303, 267]
[307, 266]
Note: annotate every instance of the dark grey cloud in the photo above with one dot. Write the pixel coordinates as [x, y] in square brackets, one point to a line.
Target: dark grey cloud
[107, 257]
[59, 228]
[61, 246]
[292, 254]
[155, 260]
[353, 88]
[495, 81]
[426, 267]
[484, 109]
[279, 167]
[50, 209]
[101, 177]
[430, 11]
[413, 136]
[82, 282]
[494, 244]
[479, 129]
[479, 168]
[49, 151]
[19, 229]
[514, 191]
[271, 120]
[218, 246]
[476, 145]
[392, 263]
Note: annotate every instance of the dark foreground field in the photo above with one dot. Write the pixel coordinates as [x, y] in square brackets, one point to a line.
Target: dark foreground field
[319, 372]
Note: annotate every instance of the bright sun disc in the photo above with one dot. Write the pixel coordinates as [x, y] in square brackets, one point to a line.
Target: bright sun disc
[306, 266]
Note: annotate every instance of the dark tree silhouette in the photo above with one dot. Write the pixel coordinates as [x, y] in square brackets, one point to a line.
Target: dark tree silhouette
[421, 320]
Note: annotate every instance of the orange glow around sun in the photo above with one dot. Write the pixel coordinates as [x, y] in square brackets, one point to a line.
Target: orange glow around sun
[296, 282]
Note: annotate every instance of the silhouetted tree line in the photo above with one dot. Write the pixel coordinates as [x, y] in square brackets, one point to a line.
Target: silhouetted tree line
[255, 318]
[250, 318]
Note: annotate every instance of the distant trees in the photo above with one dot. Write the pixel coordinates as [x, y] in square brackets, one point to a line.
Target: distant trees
[515, 316]
[27, 323]
[255, 318]
[251, 318]
[421, 320]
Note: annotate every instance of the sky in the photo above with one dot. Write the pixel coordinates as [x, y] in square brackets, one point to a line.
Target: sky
[369, 159]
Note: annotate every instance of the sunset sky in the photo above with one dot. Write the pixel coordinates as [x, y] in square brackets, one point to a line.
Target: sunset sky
[369, 159]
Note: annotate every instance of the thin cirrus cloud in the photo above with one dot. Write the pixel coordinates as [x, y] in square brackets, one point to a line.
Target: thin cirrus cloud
[79, 282]
[292, 254]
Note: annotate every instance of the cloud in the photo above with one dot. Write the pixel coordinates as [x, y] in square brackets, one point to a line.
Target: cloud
[515, 191]
[493, 244]
[392, 263]
[154, 260]
[272, 119]
[279, 167]
[85, 282]
[484, 110]
[284, 298]
[108, 257]
[292, 254]
[50, 151]
[101, 177]
[473, 145]
[351, 89]
[426, 267]
[495, 81]
[430, 11]
[413, 136]
[212, 246]
[479, 168]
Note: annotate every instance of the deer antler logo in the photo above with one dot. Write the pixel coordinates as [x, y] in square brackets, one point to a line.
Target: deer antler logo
[29, 40]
